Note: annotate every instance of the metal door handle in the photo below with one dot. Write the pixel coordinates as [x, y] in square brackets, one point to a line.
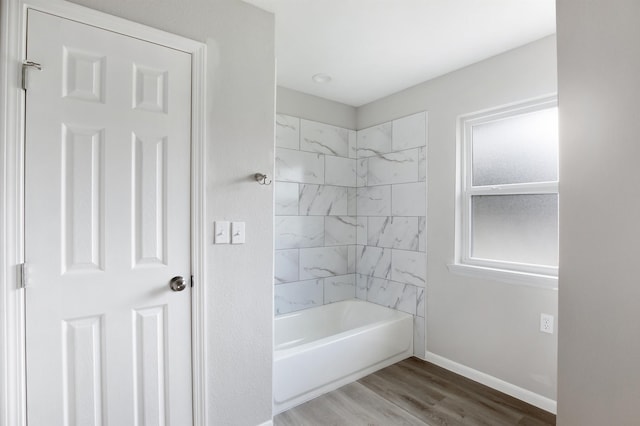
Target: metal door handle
[178, 283]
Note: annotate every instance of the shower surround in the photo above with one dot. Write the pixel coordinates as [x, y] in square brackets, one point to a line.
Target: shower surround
[315, 196]
[351, 216]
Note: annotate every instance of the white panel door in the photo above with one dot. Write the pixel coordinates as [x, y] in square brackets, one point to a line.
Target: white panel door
[107, 201]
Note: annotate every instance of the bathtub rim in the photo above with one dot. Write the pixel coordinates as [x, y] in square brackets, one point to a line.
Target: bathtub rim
[306, 347]
[288, 351]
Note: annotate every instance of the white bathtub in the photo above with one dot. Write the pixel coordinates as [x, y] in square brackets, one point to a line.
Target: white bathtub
[320, 349]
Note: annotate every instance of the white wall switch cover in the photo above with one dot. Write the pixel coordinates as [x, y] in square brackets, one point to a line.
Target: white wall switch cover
[221, 232]
[237, 233]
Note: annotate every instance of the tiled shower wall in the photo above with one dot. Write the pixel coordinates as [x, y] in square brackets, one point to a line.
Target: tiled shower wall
[315, 205]
[351, 215]
[391, 215]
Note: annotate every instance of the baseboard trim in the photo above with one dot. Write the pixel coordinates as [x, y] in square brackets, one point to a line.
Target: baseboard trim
[267, 423]
[525, 395]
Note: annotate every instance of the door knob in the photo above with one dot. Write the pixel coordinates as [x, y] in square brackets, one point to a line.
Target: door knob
[178, 283]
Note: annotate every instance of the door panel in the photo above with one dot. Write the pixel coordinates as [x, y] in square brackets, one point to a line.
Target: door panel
[107, 196]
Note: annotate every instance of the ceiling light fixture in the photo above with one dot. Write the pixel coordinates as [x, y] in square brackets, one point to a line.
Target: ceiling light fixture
[321, 78]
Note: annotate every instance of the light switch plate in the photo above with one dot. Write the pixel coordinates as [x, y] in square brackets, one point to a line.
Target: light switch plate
[221, 232]
[237, 233]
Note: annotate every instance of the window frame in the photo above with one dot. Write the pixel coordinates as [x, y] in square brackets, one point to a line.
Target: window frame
[465, 263]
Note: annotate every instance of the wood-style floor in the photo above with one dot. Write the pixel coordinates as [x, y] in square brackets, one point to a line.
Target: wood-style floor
[414, 392]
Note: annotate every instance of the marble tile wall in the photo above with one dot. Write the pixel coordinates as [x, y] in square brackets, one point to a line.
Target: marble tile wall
[315, 205]
[391, 261]
[351, 216]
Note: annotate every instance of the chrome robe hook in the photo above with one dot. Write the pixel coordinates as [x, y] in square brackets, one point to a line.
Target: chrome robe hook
[262, 179]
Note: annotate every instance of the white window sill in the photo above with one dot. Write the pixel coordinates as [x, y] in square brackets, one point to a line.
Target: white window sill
[503, 275]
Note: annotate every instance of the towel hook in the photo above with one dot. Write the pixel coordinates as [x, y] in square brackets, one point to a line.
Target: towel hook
[262, 179]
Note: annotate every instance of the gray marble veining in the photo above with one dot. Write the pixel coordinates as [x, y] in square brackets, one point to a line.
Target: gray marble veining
[361, 232]
[323, 262]
[392, 295]
[298, 295]
[395, 167]
[409, 267]
[339, 230]
[299, 231]
[393, 232]
[298, 166]
[350, 214]
[286, 266]
[361, 286]
[409, 132]
[421, 302]
[353, 145]
[374, 140]
[324, 200]
[287, 131]
[361, 172]
[339, 288]
[374, 200]
[374, 261]
[324, 138]
[422, 234]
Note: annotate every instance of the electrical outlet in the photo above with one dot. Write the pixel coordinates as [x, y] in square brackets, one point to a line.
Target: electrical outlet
[546, 323]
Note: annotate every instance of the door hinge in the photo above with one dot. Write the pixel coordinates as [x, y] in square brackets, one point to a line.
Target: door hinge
[25, 75]
[22, 275]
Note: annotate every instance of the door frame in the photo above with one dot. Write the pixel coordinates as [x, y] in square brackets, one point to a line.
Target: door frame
[13, 15]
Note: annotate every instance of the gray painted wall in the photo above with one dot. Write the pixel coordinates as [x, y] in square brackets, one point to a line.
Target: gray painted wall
[486, 325]
[240, 40]
[302, 105]
[599, 65]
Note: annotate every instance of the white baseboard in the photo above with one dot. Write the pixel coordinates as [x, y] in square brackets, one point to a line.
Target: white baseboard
[525, 395]
[267, 423]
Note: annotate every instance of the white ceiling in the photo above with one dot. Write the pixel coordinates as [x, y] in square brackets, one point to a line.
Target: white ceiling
[373, 48]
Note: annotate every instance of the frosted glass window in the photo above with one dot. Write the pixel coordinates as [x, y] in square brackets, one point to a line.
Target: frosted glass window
[515, 228]
[518, 149]
[508, 179]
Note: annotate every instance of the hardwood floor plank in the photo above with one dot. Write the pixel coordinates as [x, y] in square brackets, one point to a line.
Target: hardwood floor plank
[470, 413]
[454, 406]
[400, 378]
[475, 387]
[415, 392]
[415, 396]
[531, 421]
[475, 404]
[352, 404]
